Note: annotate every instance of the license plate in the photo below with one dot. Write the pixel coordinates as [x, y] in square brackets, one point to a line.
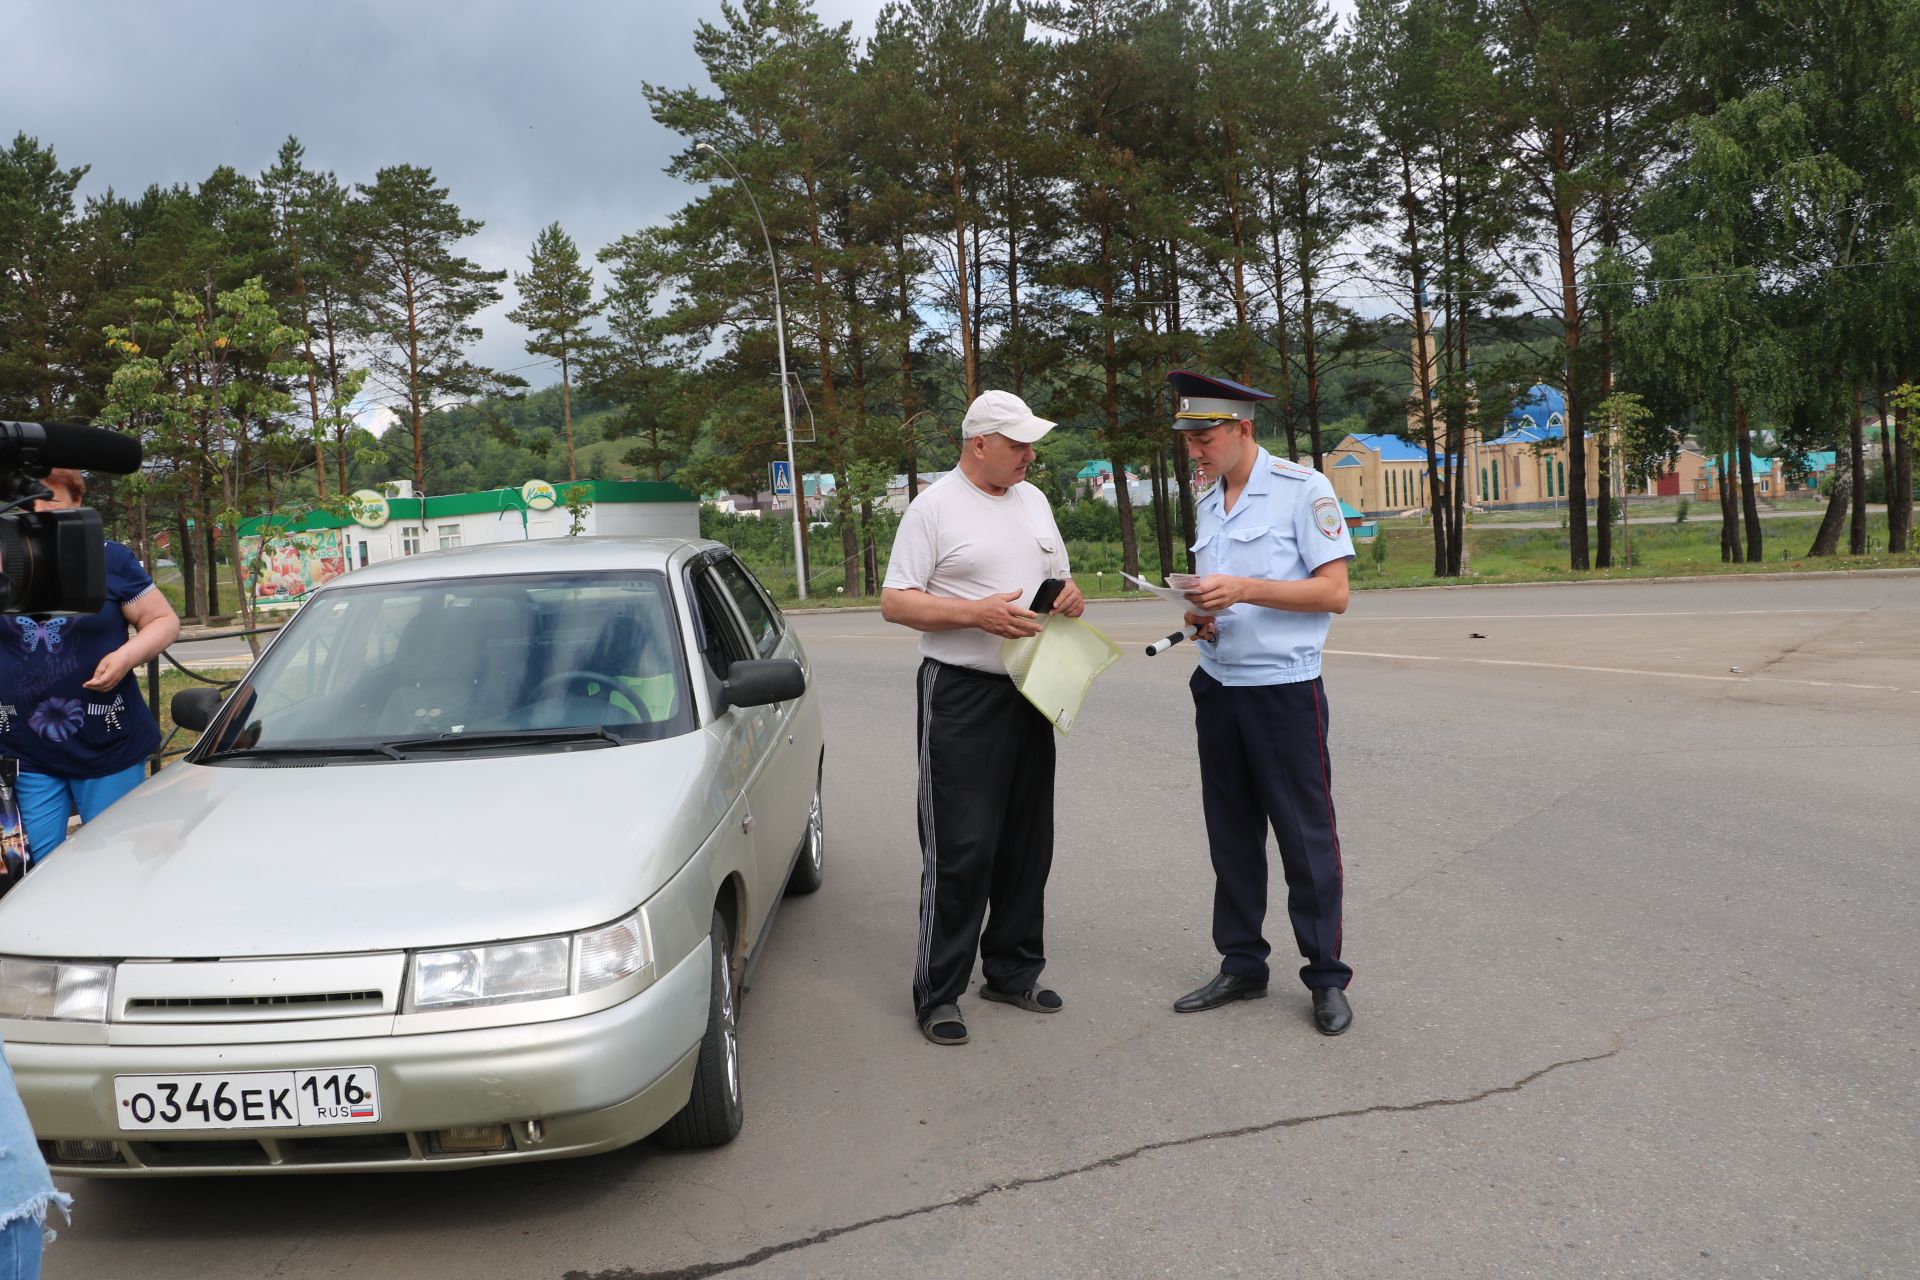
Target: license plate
[249, 1099]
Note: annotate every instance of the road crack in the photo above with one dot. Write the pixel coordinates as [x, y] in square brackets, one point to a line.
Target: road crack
[699, 1271]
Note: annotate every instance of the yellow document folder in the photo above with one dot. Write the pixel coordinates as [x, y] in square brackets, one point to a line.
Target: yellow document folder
[1056, 668]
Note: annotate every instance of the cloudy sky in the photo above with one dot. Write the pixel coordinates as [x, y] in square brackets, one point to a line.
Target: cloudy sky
[527, 112]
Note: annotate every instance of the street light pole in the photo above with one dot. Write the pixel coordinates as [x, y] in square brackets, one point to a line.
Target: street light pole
[786, 396]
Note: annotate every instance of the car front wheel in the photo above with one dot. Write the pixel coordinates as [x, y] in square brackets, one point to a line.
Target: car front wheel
[713, 1112]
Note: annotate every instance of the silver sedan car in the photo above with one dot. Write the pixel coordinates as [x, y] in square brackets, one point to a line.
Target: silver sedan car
[468, 869]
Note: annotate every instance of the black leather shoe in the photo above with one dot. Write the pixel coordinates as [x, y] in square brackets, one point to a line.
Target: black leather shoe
[1331, 1012]
[1224, 989]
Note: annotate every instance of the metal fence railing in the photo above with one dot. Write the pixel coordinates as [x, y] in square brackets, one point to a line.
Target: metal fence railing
[166, 747]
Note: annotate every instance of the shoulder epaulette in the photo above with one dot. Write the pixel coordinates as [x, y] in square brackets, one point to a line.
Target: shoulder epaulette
[1282, 467]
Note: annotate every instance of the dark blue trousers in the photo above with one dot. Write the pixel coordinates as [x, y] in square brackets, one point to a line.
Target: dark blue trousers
[1263, 762]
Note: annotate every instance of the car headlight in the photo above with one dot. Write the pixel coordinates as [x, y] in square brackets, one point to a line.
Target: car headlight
[610, 953]
[55, 990]
[529, 969]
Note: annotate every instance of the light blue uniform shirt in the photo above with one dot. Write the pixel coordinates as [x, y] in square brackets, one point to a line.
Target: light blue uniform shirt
[1286, 524]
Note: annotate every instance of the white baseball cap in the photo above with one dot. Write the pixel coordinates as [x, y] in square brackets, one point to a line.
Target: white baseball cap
[1004, 413]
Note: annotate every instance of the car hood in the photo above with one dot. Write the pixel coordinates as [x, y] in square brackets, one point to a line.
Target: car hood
[218, 861]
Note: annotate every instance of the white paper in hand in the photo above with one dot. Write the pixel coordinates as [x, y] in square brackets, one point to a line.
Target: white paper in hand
[1174, 594]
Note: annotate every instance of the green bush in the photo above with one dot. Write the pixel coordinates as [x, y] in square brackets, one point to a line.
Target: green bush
[1681, 512]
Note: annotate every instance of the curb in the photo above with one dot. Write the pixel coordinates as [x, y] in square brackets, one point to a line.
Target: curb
[1141, 598]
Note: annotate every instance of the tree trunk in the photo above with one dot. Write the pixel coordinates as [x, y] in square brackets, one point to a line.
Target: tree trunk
[189, 579]
[1827, 541]
[1900, 489]
[1749, 504]
[212, 543]
[1162, 527]
[979, 285]
[1886, 448]
[1731, 551]
[907, 397]
[1603, 540]
[415, 413]
[1857, 463]
[963, 312]
[1110, 408]
[1182, 470]
[1576, 397]
[1016, 337]
[566, 416]
[849, 533]
[869, 554]
[1457, 501]
[1308, 336]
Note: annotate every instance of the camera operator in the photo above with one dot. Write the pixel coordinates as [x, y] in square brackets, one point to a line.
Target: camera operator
[70, 705]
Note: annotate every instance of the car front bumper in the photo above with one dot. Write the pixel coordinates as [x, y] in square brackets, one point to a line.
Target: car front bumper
[564, 1088]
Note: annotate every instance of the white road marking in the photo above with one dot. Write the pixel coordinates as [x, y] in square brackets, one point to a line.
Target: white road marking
[1619, 671]
[1501, 617]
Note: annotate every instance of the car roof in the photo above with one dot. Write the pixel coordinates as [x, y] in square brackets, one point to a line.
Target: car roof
[542, 555]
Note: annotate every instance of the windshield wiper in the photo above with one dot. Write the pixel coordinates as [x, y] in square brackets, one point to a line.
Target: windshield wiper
[504, 738]
[314, 751]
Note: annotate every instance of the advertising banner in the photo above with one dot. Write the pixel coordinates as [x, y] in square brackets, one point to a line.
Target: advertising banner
[295, 563]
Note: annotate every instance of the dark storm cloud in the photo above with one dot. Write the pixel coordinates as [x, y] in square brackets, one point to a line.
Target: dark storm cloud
[528, 113]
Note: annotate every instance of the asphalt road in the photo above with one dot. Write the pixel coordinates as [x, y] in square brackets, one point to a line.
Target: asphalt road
[1635, 945]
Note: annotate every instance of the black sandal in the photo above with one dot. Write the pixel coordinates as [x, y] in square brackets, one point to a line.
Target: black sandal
[942, 1025]
[1034, 999]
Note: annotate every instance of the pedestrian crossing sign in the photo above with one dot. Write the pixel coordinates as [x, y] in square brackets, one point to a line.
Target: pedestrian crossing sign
[782, 480]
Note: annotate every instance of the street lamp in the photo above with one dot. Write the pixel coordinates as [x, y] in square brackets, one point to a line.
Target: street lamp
[786, 398]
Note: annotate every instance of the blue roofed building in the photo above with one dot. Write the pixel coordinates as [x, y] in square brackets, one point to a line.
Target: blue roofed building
[1525, 465]
[1378, 473]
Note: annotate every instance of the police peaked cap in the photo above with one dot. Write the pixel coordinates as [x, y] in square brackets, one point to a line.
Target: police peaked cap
[1205, 401]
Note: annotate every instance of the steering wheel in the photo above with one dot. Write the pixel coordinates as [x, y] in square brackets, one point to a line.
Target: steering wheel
[568, 681]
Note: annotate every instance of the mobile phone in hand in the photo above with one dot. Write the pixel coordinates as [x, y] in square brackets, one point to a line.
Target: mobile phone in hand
[1048, 593]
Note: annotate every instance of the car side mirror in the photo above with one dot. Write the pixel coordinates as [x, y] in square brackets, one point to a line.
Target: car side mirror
[195, 708]
[757, 682]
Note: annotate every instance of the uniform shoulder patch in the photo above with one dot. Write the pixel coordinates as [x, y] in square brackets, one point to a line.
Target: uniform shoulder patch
[1282, 467]
[1327, 518]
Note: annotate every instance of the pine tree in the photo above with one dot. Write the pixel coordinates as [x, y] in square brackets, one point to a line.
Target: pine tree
[556, 302]
[37, 246]
[421, 296]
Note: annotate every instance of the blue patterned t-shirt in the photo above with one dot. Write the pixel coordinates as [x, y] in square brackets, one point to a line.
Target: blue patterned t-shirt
[48, 719]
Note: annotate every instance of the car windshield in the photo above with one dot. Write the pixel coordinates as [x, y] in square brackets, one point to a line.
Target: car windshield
[496, 663]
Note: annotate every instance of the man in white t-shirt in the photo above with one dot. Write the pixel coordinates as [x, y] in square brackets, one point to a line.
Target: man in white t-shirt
[970, 553]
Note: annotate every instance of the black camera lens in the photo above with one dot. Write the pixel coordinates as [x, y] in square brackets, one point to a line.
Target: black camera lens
[53, 562]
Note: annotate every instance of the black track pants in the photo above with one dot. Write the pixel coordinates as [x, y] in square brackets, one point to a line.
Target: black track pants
[1263, 762]
[986, 833]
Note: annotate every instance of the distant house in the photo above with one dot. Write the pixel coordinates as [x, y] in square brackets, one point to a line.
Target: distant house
[1689, 469]
[1359, 528]
[1767, 480]
[743, 504]
[1820, 465]
[896, 499]
[819, 488]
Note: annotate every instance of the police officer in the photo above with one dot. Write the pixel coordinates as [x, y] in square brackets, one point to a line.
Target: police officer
[1273, 549]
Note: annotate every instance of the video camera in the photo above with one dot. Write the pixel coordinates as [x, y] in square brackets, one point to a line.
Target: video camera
[54, 561]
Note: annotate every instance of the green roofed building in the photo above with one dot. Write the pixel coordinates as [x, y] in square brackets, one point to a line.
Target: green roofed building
[302, 552]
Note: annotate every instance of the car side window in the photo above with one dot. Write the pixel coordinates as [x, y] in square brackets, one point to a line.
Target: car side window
[762, 618]
[720, 637]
